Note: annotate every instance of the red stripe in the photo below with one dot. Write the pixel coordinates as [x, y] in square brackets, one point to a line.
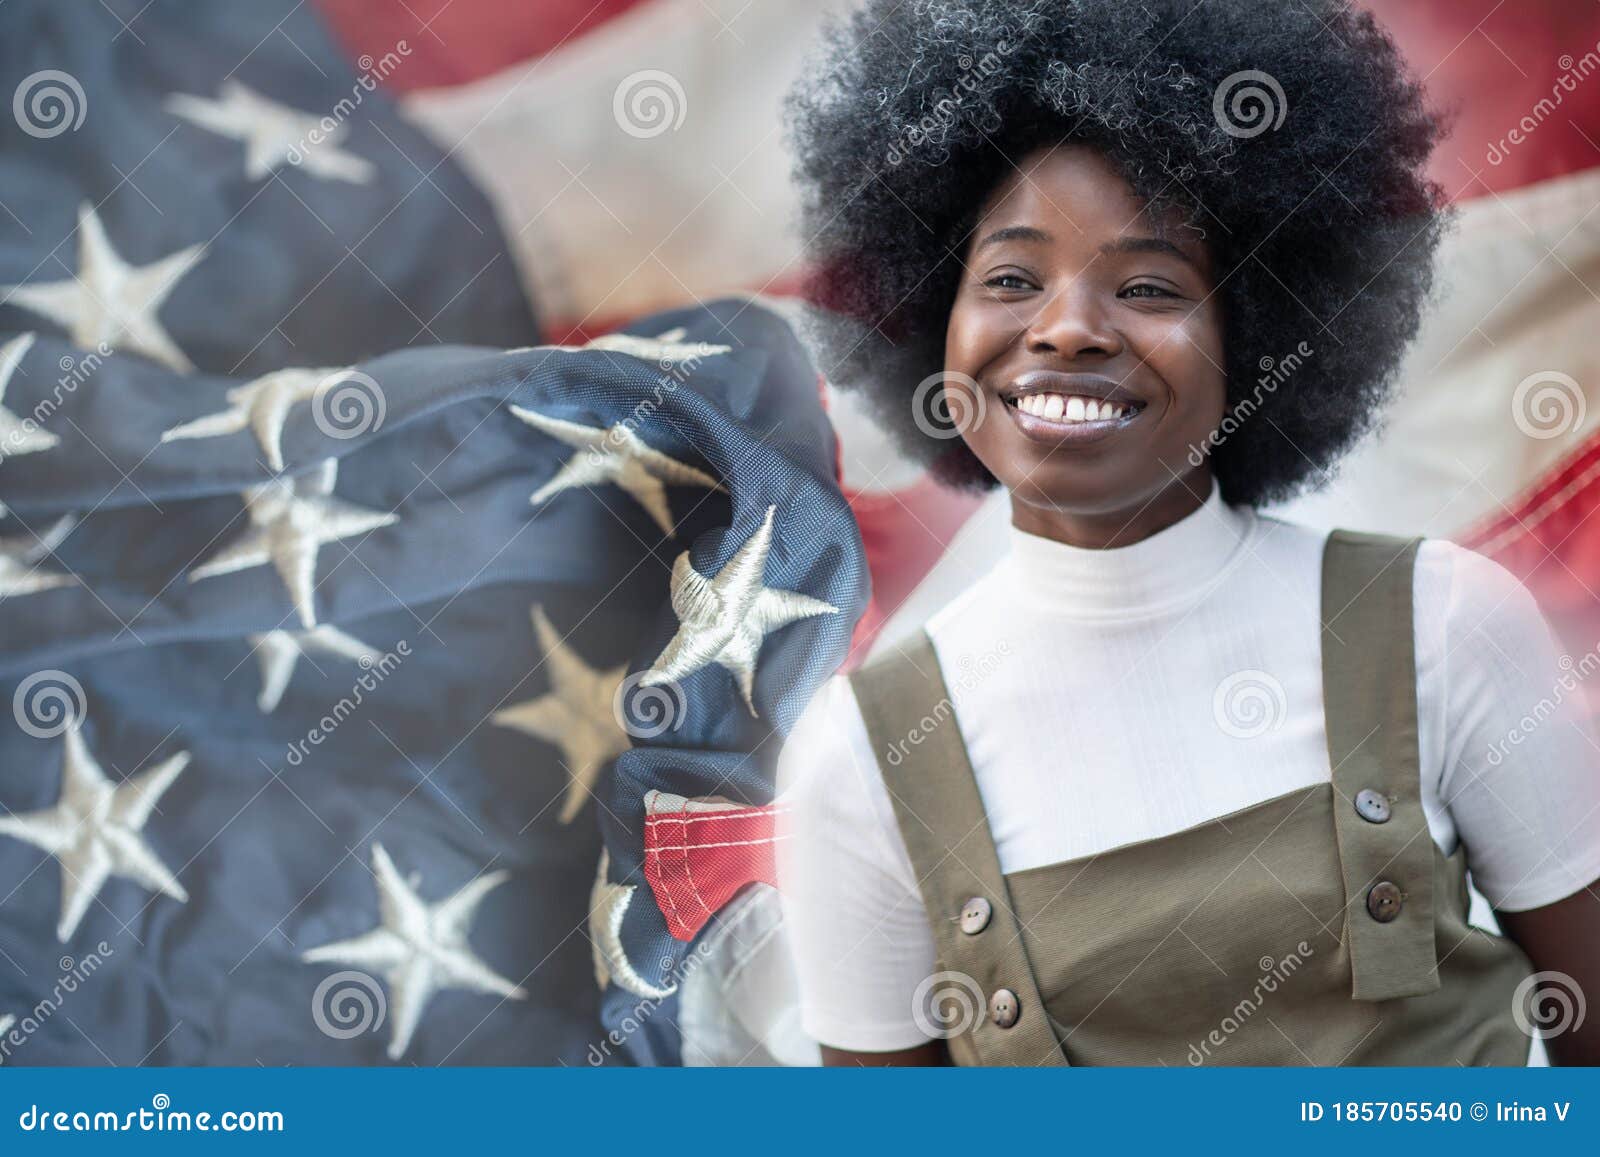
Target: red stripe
[454, 41]
[905, 532]
[1550, 539]
[696, 861]
[1493, 61]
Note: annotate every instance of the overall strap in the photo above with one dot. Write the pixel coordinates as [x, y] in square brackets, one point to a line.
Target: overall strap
[989, 992]
[1369, 692]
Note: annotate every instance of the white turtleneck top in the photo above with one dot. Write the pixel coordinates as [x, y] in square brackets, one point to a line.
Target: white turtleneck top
[1107, 697]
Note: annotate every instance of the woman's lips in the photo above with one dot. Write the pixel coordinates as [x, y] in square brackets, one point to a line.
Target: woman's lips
[1071, 430]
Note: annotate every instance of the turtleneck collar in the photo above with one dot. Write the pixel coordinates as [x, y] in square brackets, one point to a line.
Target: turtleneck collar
[1176, 565]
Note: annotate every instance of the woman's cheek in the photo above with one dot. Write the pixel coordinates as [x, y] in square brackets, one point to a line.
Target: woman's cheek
[1191, 352]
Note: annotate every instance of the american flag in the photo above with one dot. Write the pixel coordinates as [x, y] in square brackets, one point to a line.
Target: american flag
[389, 676]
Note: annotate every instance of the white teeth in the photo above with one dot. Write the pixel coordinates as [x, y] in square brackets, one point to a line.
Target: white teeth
[1070, 408]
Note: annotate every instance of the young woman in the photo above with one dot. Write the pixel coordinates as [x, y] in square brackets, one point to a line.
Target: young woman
[1176, 782]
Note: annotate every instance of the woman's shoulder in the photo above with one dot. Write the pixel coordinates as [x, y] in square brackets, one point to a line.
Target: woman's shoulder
[1463, 602]
[1467, 574]
[1473, 602]
[1446, 572]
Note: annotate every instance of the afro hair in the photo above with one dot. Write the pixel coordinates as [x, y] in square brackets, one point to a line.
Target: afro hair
[1292, 136]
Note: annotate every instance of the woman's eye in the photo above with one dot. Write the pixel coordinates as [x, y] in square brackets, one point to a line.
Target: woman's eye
[1147, 290]
[1019, 283]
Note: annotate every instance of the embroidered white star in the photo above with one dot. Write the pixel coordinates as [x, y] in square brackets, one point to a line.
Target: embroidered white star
[262, 405]
[290, 520]
[279, 651]
[608, 904]
[420, 948]
[663, 349]
[94, 830]
[577, 714]
[109, 300]
[16, 435]
[616, 455]
[725, 619]
[19, 559]
[273, 134]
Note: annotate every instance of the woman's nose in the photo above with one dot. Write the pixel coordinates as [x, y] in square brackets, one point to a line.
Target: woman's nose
[1073, 323]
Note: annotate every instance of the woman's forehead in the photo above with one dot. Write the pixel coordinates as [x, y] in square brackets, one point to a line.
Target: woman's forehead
[1074, 192]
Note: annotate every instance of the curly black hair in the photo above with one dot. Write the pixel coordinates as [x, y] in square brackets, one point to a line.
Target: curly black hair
[1294, 137]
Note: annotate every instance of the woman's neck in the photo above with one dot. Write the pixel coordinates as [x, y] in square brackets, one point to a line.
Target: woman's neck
[1106, 530]
[1169, 567]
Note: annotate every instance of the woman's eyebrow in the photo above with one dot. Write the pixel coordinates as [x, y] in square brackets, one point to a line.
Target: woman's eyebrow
[1121, 245]
[1146, 245]
[1012, 233]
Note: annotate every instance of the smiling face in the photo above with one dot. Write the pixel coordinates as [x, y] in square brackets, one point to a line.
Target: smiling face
[1095, 339]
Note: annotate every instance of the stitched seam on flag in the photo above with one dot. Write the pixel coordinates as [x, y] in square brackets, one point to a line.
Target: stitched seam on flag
[719, 844]
[697, 817]
[694, 886]
[684, 831]
[684, 870]
[673, 918]
[685, 864]
[677, 866]
[710, 806]
[750, 877]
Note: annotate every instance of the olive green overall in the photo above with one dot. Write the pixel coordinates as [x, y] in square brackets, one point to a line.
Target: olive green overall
[1322, 926]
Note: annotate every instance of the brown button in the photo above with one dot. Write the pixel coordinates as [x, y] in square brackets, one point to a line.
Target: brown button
[1004, 1007]
[975, 915]
[1372, 806]
[1383, 901]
